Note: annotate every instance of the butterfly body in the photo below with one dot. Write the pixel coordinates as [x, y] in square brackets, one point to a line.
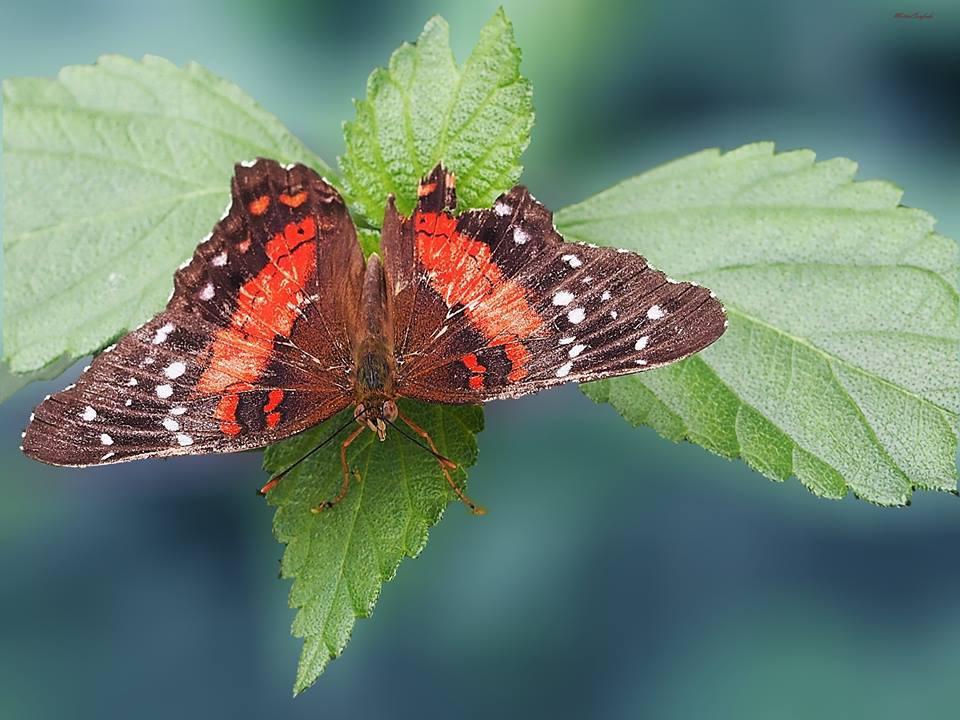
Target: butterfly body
[278, 322]
[375, 376]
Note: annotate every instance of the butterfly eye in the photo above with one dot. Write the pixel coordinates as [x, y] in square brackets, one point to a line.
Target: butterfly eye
[390, 411]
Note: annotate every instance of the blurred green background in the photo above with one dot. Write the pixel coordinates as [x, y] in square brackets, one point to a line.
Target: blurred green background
[617, 575]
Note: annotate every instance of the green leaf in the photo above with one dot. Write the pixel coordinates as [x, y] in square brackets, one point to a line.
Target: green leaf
[840, 365]
[423, 109]
[113, 174]
[340, 558]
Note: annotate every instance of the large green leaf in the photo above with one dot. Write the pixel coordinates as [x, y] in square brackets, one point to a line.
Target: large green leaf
[840, 365]
[423, 109]
[113, 173]
[340, 558]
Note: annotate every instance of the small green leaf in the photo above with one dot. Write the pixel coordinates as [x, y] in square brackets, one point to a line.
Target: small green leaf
[423, 108]
[113, 174]
[340, 558]
[840, 365]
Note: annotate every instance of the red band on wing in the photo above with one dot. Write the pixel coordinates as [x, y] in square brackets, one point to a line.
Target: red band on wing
[266, 308]
[274, 398]
[462, 272]
[473, 365]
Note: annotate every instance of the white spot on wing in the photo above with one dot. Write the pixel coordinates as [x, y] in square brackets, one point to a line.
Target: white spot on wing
[175, 370]
[107, 456]
[520, 236]
[566, 340]
[178, 410]
[131, 382]
[207, 292]
[184, 440]
[606, 295]
[572, 260]
[162, 333]
[641, 362]
[576, 315]
[164, 391]
[563, 298]
[501, 209]
[248, 163]
[655, 312]
[576, 350]
[171, 424]
[219, 260]
[128, 402]
[641, 343]
[106, 439]
[564, 369]
[614, 314]
[89, 414]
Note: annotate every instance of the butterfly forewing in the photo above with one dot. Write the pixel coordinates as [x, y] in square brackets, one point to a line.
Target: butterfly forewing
[254, 344]
[495, 304]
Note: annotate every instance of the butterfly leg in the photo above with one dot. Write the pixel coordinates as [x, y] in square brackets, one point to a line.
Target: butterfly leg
[345, 485]
[444, 465]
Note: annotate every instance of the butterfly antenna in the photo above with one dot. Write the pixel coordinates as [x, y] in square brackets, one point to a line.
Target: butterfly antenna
[446, 464]
[442, 459]
[272, 483]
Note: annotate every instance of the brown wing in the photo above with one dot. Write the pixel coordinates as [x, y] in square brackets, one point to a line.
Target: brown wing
[254, 344]
[494, 304]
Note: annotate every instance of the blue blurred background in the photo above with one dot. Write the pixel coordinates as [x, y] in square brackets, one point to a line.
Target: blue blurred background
[618, 575]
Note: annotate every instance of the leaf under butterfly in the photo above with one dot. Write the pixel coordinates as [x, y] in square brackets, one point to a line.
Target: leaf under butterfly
[10, 382]
[840, 365]
[113, 174]
[423, 109]
[340, 558]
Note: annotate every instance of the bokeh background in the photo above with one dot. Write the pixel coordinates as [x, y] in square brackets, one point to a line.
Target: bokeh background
[618, 575]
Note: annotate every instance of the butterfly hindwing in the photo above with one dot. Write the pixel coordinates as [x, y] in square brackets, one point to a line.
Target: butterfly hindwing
[254, 344]
[494, 304]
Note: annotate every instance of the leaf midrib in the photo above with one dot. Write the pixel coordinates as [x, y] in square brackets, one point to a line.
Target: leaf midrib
[166, 119]
[733, 309]
[16, 238]
[347, 545]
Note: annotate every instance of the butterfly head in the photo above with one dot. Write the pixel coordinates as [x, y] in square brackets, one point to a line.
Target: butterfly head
[375, 413]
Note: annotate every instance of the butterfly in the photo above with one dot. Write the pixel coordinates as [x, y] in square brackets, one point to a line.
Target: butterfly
[278, 322]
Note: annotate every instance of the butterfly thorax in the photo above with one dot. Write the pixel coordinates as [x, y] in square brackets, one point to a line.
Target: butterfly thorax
[374, 382]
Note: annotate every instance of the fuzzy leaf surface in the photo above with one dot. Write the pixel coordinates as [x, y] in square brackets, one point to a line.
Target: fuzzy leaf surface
[423, 108]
